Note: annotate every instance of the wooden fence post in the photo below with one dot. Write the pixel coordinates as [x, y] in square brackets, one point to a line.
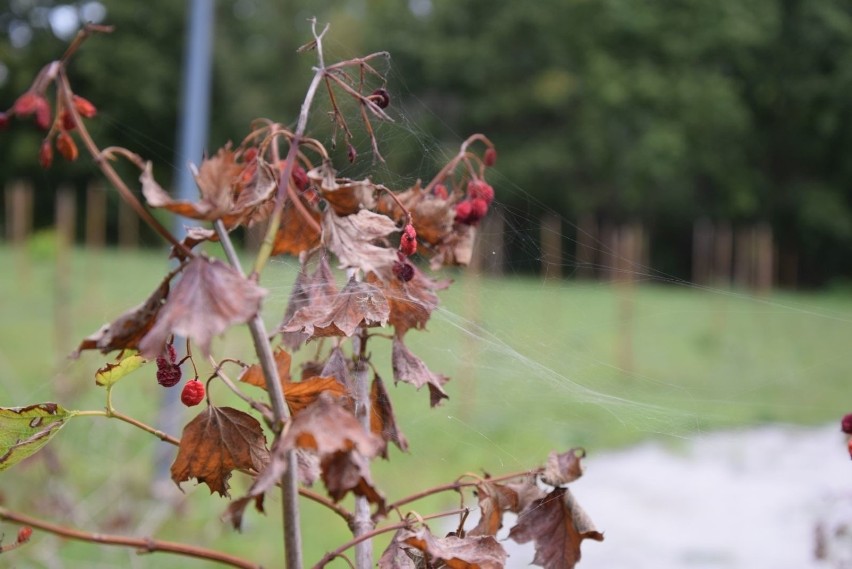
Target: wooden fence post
[96, 216]
[128, 226]
[551, 246]
[587, 246]
[65, 235]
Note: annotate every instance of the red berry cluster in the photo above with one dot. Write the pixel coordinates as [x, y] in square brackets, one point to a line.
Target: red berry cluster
[168, 372]
[37, 105]
[193, 393]
[471, 210]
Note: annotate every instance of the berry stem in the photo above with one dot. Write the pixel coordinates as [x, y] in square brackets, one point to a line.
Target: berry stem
[113, 414]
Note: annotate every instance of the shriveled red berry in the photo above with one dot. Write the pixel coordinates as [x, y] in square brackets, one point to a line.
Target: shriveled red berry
[26, 104]
[66, 121]
[66, 146]
[490, 157]
[193, 393]
[480, 189]
[403, 271]
[168, 375]
[381, 97]
[408, 241]
[4, 120]
[84, 107]
[441, 191]
[250, 154]
[42, 114]
[846, 424]
[45, 154]
[24, 534]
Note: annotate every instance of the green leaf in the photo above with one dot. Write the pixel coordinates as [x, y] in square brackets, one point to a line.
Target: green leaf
[111, 373]
[24, 430]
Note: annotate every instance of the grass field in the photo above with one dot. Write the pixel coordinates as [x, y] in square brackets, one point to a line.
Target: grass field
[534, 367]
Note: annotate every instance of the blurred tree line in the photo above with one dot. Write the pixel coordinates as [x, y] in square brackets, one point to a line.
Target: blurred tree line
[660, 113]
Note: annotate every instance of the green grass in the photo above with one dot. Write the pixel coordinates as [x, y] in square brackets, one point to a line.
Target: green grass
[534, 367]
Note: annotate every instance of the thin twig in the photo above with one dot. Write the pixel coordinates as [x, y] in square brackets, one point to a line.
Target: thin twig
[113, 414]
[143, 544]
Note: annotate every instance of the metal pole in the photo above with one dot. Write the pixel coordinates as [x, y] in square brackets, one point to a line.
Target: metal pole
[192, 138]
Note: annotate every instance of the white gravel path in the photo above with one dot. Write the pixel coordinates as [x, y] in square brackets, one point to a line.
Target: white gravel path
[735, 500]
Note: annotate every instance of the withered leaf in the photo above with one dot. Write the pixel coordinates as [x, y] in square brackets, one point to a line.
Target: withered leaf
[217, 442]
[210, 297]
[411, 303]
[349, 471]
[345, 196]
[194, 236]
[558, 525]
[382, 419]
[337, 367]
[317, 289]
[432, 216]
[214, 178]
[351, 239]
[524, 492]
[327, 427]
[265, 480]
[300, 394]
[456, 248]
[253, 375]
[126, 331]
[295, 235]
[475, 552]
[494, 499]
[253, 198]
[409, 368]
[396, 555]
[359, 303]
[563, 468]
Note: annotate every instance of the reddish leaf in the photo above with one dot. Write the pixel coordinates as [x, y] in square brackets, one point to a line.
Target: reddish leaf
[345, 196]
[563, 468]
[217, 442]
[558, 525]
[126, 331]
[382, 420]
[209, 298]
[409, 368]
[351, 239]
[477, 552]
[358, 304]
[295, 235]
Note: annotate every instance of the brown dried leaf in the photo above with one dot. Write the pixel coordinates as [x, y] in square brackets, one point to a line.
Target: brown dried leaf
[253, 375]
[524, 493]
[396, 555]
[409, 368]
[217, 442]
[411, 303]
[345, 196]
[494, 499]
[475, 552]
[209, 298]
[345, 472]
[156, 196]
[558, 525]
[351, 239]
[318, 288]
[432, 216]
[254, 198]
[456, 248]
[358, 304]
[126, 331]
[194, 236]
[382, 419]
[300, 394]
[215, 179]
[563, 468]
[337, 366]
[295, 235]
[327, 427]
